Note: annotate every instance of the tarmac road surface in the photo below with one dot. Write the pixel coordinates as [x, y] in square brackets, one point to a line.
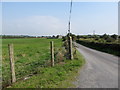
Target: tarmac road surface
[100, 70]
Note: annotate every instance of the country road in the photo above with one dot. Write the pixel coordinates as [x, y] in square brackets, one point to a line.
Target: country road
[100, 70]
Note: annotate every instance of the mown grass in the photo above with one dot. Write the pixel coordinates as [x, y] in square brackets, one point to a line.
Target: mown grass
[59, 76]
[30, 54]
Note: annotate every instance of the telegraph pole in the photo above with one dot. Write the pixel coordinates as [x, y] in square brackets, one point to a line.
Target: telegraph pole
[93, 32]
[69, 37]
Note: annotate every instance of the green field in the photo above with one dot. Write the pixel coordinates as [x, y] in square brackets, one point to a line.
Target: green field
[30, 54]
[32, 57]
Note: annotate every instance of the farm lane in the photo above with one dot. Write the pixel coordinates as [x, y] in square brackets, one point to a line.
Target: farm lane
[100, 70]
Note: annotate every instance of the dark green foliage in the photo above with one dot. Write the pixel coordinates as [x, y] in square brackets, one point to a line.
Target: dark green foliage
[74, 37]
[109, 48]
[114, 36]
[110, 39]
[64, 38]
[105, 36]
[105, 43]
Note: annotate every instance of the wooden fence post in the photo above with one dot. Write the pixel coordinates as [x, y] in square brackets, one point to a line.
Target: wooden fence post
[70, 48]
[0, 66]
[11, 57]
[52, 53]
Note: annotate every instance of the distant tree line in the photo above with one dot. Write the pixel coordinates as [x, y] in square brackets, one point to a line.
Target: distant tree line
[106, 43]
[15, 36]
[27, 36]
[106, 37]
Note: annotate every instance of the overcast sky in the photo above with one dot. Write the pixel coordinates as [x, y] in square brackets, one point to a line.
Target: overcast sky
[51, 18]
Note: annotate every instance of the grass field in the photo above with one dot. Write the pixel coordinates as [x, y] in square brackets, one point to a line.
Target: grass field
[59, 76]
[30, 54]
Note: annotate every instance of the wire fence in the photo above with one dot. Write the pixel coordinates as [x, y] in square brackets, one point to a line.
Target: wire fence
[24, 67]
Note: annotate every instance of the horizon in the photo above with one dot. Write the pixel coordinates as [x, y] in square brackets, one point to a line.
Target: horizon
[54, 35]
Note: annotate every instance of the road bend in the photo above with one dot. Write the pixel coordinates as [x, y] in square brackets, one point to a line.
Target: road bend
[100, 70]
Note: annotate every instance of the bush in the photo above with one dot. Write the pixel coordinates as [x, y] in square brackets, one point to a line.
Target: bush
[114, 36]
[60, 55]
[110, 39]
[108, 48]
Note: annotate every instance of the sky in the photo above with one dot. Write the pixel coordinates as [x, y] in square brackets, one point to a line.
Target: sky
[51, 18]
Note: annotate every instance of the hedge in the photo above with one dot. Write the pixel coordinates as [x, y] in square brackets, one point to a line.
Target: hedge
[108, 48]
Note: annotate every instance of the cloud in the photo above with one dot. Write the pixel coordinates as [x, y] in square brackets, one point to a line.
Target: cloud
[35, 25]
[49, 25]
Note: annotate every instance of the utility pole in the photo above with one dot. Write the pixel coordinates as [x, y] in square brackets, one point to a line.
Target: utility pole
[93, 32]
[69, 37]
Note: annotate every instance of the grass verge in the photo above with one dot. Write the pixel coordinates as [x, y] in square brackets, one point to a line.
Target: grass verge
[60, 76]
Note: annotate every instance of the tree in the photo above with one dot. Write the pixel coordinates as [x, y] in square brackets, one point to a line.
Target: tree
[64, 38]
[114, 36]
[105, 36]
[53, 36]
[110, 39]
[73, 36]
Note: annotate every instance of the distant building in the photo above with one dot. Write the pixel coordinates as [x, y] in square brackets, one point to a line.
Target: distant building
[59, 36]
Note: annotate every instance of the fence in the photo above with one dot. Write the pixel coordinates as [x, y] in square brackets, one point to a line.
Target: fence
[17, 71]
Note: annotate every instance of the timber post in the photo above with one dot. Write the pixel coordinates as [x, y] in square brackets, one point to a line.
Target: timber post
[11, 57]
[52, 53]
